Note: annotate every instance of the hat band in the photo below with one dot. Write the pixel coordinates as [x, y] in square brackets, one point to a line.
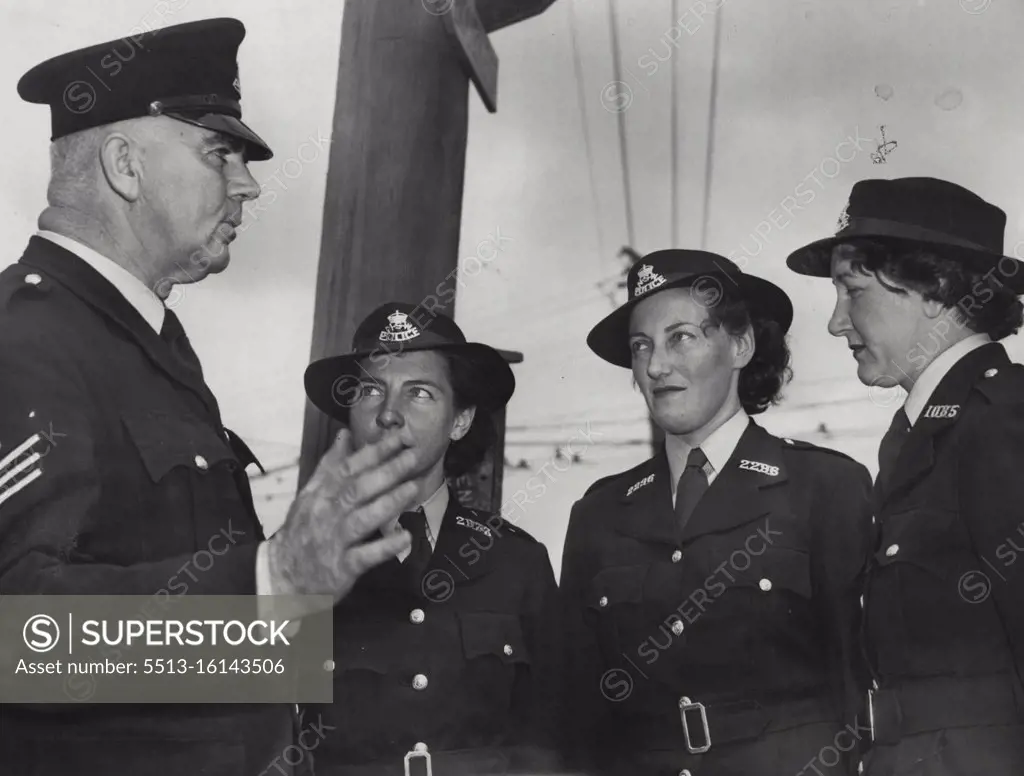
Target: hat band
[881, 227]
[208, 103]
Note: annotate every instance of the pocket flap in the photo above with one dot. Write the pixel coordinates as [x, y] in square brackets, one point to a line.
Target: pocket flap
[165, 441]
[617, 585]
[491, 633]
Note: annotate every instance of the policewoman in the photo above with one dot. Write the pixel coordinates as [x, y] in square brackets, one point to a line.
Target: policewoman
[924, 295]
[711, 591]
[449, 649]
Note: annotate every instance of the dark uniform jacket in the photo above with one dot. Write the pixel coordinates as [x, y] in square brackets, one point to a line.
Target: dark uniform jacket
[751, 612]
[136, 475]
[464, 663]
[944, 603]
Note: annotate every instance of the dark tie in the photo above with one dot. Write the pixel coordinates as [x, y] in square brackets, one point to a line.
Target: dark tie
[693, 482]
[419, 555]
[892, 443]
[174, 335]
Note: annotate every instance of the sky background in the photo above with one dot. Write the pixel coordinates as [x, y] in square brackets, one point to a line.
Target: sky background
[801, 85]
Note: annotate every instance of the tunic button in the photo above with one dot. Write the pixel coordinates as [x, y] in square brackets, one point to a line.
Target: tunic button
[328, 665]
[420, 747]
[419, 682]
[603, 601]
[891, 550]
[765, 584]
[685, 772]
[508, 650]
[677, 627]
[33, 279]
[201, 463]
[988, 372]
[416, 616]
[677, 556]
[787, 440]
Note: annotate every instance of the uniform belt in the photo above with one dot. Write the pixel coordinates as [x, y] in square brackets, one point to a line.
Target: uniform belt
[937, 703]
[461, 762]
[695, 727]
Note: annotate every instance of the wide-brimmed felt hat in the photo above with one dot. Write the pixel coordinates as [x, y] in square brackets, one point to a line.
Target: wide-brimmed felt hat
[333, 383]
[709, 276]
[186, 71]
[928, 212]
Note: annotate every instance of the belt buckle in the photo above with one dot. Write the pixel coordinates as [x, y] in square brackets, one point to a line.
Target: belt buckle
[685, 705]
[420, 750]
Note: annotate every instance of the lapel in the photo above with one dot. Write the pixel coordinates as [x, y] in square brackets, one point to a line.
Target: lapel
[88, 285]
[736, 497]
[465, 543]
[944, 408]
[646, 511]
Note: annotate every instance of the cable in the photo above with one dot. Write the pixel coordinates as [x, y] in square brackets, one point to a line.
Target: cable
[673, 132]
[581, 99]
[709, 162]
[621, 119]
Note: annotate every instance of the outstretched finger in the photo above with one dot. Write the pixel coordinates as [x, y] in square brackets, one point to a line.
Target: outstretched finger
[359, 523]
[364, 557]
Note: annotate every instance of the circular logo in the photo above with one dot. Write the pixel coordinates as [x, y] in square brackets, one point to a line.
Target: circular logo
[707, 292]
[437, 586]
[41, 633]
[616, 684]
[975, 6]
[975, 587]
[347, 390]
[175, 297]
[616, 97]
[437, 7]
[79, 97]
[79, 687]
[884, 395]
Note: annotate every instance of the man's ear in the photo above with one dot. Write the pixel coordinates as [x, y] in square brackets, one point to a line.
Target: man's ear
[463, 421]
[119, 160]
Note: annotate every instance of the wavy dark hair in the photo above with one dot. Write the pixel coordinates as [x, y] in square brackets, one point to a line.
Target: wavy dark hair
[987, 305]
[467, 378]
[761, 380]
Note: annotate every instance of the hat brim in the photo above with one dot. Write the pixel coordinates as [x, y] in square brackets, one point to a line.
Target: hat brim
[609, 339]
[332, 383]
[258, 150]
[815, 259]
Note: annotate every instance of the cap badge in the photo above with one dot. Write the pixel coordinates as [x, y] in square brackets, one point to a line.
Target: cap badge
[398, 329]
[647, 280]
[844, 219]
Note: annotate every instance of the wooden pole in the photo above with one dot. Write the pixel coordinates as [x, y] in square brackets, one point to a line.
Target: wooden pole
[393, 205]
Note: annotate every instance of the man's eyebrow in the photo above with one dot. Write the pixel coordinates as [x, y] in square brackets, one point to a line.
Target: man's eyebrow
[234, 144]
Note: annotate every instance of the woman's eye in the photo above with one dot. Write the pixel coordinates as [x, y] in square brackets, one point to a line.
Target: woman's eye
[371, 390]
[638, 346]
[422, 393]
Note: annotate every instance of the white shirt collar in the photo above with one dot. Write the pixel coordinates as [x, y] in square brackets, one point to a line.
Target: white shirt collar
[137, 293]
[434, 509]
[718, 447]
[932, 375]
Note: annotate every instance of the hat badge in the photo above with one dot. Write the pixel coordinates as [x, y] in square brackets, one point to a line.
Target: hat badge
[398, 329]
[647, 280]
[844, 218]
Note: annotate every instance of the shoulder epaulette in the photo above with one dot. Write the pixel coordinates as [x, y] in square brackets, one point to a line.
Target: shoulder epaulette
[1004, 385]
[799, 444]
[21, 281]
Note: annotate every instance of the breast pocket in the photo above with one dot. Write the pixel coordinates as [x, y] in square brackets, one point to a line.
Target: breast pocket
[617, 610]
[496, 654]
[184, 486]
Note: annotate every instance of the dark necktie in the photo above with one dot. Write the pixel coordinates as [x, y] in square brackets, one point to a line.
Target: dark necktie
[419, 555]
[174, 335]
[892, 443]
[693, 482]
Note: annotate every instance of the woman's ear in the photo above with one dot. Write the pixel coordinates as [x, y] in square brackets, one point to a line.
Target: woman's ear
[463, 421]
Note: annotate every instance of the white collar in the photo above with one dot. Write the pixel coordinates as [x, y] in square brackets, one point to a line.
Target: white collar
[932, 375]
[137, 293]
[718, 447]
